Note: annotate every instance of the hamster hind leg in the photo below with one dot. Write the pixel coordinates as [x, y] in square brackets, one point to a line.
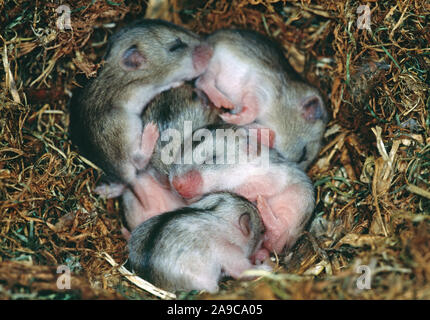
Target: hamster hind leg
[160, 200]
[235, 263]
[284, 216]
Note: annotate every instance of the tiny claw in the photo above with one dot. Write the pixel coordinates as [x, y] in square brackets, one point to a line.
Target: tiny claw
[245, 116]
[111, 190]
[260, 256]
[139, 192]
[229, 118]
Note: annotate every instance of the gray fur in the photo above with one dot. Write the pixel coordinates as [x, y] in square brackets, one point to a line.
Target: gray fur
[170, 110]
[191, 248]
[281, 93]
[277, 162]
[101, 114]
[273, 180]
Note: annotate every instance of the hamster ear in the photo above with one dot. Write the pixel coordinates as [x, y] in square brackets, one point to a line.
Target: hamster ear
[313, 109]
[244, 224]
[132, 59]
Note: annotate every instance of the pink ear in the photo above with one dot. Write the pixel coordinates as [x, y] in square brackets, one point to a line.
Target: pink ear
[132, 59]
[312, 109]
[244, 223]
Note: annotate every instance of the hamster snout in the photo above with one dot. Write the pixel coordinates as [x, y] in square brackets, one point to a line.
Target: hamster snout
[201, 56]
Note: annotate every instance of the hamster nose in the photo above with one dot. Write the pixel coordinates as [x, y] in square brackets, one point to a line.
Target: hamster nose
[201, 56]
[188, 185]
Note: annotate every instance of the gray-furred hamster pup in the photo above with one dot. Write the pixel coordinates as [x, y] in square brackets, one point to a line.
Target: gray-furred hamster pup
[192, 247]
[169, 110]
[249, 74]
[142, 60]
[283, 192]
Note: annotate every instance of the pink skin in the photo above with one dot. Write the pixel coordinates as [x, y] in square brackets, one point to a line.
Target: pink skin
[283, 215]
[201, 56]
[188, 185]
[235, 260]
[247, 99]
[260, 256]
[248, 114]
[235, 266]
[140, 159]
[111, 190]
[256, 186]
[161, 199]
[139, 192]
[282, 209]
[125, 233]
[206, 83]
[150, 136]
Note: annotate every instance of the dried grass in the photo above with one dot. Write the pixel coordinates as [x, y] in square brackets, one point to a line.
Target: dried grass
[372, 176]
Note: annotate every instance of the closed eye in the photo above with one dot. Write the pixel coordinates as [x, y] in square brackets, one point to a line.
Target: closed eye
[177, 45]
[303, 156]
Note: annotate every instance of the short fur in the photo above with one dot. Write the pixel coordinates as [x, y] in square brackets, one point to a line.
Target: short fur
[249, 71]
[169, 110]
[192, 247]
[283, 192]
[140, 63]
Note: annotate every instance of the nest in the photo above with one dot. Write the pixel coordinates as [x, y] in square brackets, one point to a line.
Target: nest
[372, 174]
